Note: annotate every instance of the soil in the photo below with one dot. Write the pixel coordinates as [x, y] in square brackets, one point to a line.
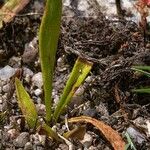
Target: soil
[114, 46]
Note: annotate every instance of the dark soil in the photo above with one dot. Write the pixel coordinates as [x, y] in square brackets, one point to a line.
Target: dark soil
[113, 45]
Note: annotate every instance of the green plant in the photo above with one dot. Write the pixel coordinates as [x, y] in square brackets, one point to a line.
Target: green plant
[144, 70]
[48, 40]
[130, 144]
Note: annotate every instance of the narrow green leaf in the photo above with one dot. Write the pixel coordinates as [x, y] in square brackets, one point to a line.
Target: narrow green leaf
[48, 40]
[142, 67]
[26, 104]
[80, 70]
[141, 71]
[130, 143]
[142, 90]
[44, 129]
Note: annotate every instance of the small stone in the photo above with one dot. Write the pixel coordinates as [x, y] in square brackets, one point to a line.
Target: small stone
[27, 78]
[38, 139]
[89, 112]
[87, 141]
[136, 135]
[15, 62]
[60, 61]
[79, 91]
[6, 72]
[38, 147]
[4, 97]
[148, 127]
[6, 88]
[38, 6]
[37, 80]
[93, 148]
[88, 79]
[28, 146]
[12, 133]
[38, 92]
[76, 101]
[27, 74]
[40, 109]
[22, 139]
[27, 71]
[30, 52]
[42, 139]
[63, 146]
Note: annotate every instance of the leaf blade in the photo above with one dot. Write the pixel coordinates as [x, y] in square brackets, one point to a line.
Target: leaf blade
[26, 104]
[79, 72]
[48, 39]
[142, 71]
[142, 90]
[142, 67]
[44, 129]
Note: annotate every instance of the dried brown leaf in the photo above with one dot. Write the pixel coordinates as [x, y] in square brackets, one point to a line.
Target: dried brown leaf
[78, 133]
[111, 135]
[10, 9]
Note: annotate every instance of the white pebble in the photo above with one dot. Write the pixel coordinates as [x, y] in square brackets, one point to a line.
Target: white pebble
[6, 88]
[87, 141]
[6, 72]
[37, 80]
[38, 92]
[12, 133]
[88, 79]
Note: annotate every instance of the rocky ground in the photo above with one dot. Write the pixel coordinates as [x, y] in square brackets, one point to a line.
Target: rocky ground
[113, 45]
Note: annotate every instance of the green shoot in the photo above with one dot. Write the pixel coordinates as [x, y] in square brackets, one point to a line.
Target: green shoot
[48, 39]
[142, 90]
[142, 69]
[130, 143]
[78, 75]
[26, 104]
[29, 111]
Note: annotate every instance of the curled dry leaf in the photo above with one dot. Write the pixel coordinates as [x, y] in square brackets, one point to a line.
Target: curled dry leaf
[111, 135]
[78, 133]
[10, 9]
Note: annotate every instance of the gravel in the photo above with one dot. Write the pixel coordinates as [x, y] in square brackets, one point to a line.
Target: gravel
[22, 139]
[37, 80]
[6, 73]
[28, 146]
